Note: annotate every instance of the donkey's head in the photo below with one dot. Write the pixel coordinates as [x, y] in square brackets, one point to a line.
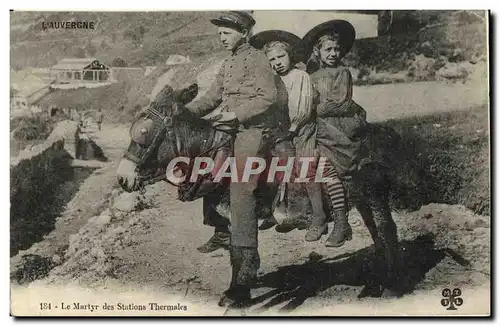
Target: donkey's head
[152, 127]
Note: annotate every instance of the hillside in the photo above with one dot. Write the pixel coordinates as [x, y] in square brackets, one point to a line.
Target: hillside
[139, 38]
[148, 38]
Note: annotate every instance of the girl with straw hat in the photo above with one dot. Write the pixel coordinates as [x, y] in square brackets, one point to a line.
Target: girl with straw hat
[339, 117]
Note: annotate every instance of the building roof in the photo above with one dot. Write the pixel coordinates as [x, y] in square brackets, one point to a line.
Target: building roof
[42, 73]
[74, 63]
[25, 83]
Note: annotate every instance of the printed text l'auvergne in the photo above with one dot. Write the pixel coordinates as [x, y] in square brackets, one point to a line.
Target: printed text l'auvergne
[68, 25]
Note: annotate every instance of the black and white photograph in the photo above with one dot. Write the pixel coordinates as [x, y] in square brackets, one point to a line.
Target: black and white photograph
[255, 163]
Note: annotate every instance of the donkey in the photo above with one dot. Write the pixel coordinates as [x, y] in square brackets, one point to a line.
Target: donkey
[165, 130]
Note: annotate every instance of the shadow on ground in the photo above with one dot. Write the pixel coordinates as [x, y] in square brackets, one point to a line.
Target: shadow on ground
[296, 283]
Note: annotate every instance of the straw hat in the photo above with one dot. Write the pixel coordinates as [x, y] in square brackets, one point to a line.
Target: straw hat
[343, 28]
[261, 39]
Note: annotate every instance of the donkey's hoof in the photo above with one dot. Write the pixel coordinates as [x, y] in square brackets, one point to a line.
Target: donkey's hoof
[372, 291]
[391, 294]
[235, 312]
[225, 301]
[234, 299]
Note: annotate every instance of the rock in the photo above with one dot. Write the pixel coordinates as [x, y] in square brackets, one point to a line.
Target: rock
[119, 230]
[107, 211]
[118, 215]
[480, 223]
[454, 70]
[134, 220]
[421, 67]
[97, 252]
[115, 192]
[427, 49]
[144, 213]
[103, 220]
[314, 256]
[73, 239]
[93, 219]
[56, 259]
[126, 202]
[85, 260]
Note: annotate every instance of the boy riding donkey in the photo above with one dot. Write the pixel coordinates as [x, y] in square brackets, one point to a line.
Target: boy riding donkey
[245, 94]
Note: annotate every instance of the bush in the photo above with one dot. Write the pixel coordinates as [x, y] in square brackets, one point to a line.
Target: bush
[33, 197]
[118, 62]
[31, 128]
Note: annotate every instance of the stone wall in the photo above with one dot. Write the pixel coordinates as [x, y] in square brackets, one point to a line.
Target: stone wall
[65, 134]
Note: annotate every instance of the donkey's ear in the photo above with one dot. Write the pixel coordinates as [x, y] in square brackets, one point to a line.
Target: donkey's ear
[186, 95]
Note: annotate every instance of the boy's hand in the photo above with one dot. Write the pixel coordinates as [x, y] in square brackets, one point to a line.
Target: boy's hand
[287, 137]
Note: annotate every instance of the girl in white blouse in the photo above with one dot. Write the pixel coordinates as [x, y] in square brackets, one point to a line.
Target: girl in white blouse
[283, 50]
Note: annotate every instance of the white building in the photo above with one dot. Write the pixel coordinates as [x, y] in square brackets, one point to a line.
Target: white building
[80, 71]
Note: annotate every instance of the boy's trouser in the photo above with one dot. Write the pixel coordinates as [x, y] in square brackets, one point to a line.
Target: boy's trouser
[243, 217]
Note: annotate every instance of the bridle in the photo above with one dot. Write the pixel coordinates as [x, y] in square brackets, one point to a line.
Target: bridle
[139, 154]
[163, 126]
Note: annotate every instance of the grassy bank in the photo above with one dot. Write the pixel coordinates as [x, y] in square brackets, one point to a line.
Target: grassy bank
[453, 149]
[40, 188]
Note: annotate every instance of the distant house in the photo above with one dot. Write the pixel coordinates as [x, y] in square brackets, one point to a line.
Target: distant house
[81, 71]
[27, 88]
[148, 70]
[177, 59]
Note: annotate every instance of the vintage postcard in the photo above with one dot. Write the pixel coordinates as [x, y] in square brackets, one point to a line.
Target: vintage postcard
[250, 163]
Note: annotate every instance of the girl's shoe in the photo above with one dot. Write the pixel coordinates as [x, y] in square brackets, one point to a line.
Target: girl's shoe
[314, 233]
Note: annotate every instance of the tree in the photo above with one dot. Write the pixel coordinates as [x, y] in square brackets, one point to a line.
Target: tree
[79, 53]
[104, 45]
[91, 49]
[118, 62]
[135, 34]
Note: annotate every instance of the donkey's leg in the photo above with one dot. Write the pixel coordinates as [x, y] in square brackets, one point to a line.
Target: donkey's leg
[387, 231]
[372, 289]
[376, 191]
[367, 215]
